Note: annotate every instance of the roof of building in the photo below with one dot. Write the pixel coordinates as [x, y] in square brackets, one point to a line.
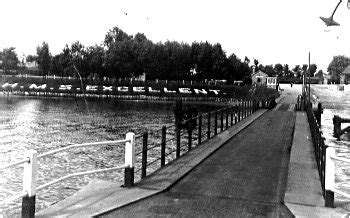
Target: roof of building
[259, 72]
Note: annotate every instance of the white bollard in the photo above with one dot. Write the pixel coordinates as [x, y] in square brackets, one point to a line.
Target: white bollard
[329, 177]
[29, 184]
[30, 173]
[130, 149]
[129, 160]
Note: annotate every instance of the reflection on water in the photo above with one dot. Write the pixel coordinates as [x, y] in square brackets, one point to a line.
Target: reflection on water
[47, 123]
[336, 103]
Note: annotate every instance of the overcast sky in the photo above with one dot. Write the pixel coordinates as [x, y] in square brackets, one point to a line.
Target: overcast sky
[272, 31]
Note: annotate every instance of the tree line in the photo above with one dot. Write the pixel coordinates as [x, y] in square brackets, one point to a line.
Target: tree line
[124, 56]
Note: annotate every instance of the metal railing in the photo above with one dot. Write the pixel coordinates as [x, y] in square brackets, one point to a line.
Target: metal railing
[30, 173]
[162, 146]
[325, 156]
[158, 147]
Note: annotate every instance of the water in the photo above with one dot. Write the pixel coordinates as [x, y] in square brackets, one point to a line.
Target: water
[44, 124]
[336, 102]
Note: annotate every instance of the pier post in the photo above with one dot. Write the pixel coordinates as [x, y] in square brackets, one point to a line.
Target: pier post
[329, 177]
[129, 160]
[162, 149]
[318, 113]
[29, 185]
[144, 155]
[336, 126]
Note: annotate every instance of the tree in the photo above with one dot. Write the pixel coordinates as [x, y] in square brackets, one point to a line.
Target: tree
[297, 71]
[313, 68]
[304, 68]
[337, 66]
[269, 70]
[319, 74]
[43, 58]
[9, 59]
[286, 71]
[278, 69]
[256, 62]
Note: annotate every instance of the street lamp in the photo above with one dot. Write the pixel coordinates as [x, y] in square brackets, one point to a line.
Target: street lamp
[329, 21]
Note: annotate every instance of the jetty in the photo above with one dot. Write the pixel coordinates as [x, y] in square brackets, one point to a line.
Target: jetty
[251, 161]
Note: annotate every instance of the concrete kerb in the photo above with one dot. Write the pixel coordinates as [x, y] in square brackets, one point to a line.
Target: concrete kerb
[84, 204]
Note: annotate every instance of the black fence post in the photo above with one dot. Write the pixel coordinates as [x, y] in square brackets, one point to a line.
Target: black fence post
[200, 129]
[329, 198]
[226, 117]
[222, 120]
[239, 112]
[231, 110]
[190, 134]
[216, 123]
[162, 150]
[209, 124]
[144, 155]
[250, 107]
[178, 141]
[28, 207]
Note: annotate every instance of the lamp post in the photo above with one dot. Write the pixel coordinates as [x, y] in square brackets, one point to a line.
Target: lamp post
[309, 78]
[329, 21]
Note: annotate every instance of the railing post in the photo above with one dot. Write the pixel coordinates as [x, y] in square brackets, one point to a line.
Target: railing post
[29, 185]
[239, 111]
[330, 177]
[251, 106]
[226, 110]
[231, 110]
[216, 123]
[209, 124]
[162, 149]
[222, 121]
[190, 134]
[245, 109]
[178, 140]
[129, 160]
[144, 155]
[200, 129]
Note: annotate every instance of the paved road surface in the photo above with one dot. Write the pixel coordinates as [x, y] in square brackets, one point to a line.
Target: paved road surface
[244, 178]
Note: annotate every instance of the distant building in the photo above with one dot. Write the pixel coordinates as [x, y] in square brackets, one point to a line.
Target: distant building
[326, 78]
[259, 78]
[141, 77]
[32, 65]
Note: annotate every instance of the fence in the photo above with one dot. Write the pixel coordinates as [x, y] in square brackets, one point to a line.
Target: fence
[158, 147]
[165, 145]
[30, 172]
[325, 155]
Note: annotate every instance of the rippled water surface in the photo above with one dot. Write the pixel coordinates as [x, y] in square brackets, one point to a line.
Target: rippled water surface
[44, 124]
[336, 102]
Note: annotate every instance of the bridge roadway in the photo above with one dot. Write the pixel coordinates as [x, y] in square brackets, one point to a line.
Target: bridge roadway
[246, 177]
[254, 169]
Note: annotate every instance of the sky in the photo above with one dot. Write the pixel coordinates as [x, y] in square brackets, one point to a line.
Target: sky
[271, 31]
